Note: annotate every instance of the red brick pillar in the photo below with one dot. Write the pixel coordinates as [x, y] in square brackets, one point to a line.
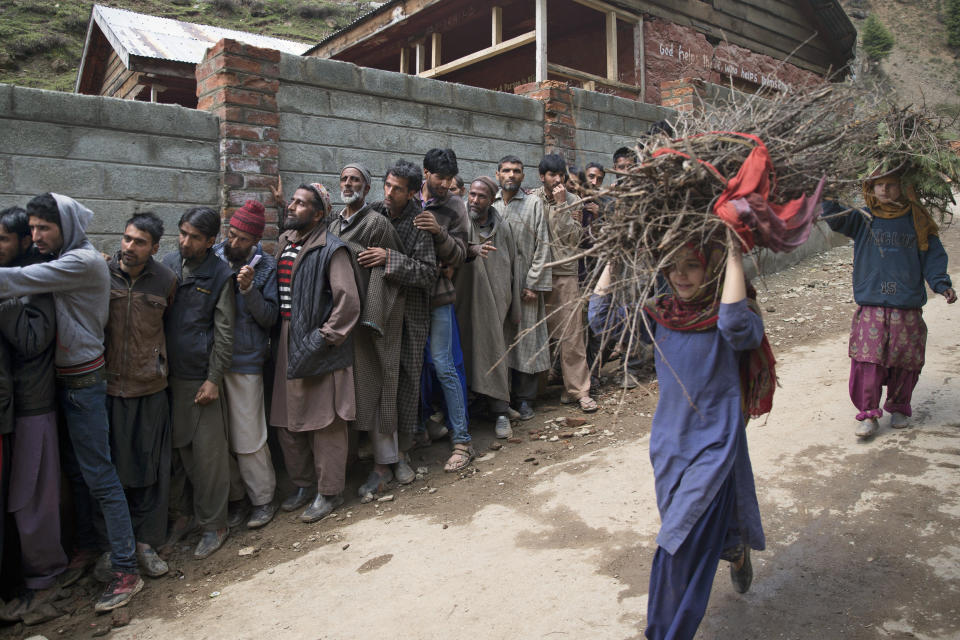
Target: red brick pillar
[559, 126]
[238, 83]
[685, 94]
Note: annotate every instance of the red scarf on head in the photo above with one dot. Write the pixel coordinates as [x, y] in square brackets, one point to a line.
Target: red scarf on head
[758, 376]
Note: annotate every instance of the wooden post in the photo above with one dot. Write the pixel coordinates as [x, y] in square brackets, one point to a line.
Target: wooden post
[404, 60]
[420, 56]
[611, 30]
[540, 74]
[435, 42]
[640, 58]
[496, 26]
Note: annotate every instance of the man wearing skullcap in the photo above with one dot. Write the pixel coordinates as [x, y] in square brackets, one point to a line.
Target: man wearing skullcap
[376, 341]
[488, 306]
[313, 389]
[258, 306]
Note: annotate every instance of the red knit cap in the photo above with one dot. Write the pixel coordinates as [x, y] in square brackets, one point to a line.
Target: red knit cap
[249, 218]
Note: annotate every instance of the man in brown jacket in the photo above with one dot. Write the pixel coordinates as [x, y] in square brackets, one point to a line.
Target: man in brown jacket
[141, 290]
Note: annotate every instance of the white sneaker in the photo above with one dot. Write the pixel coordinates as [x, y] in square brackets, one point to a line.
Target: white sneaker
[502, 428]
[899, 421]
[867, 428]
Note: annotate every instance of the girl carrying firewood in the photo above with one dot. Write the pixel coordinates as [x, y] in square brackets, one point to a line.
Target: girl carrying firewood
[895, 249]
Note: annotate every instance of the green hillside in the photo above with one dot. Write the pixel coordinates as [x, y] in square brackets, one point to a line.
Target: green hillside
[41, 40]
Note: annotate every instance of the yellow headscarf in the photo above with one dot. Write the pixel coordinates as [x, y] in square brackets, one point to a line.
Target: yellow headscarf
[908, 202]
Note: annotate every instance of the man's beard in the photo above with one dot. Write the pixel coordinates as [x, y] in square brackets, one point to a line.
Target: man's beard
[233, 255]
[354, 197]
[511, 187]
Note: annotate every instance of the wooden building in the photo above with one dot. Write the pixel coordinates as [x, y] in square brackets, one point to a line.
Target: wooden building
[625, 47]
[141, 57]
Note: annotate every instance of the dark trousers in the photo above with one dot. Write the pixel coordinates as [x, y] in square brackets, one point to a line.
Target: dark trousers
[87, 463]
[34, 499]
[524, 386]
[680, 584]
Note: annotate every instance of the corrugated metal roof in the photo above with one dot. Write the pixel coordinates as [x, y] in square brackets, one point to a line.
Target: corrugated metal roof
[139, 34]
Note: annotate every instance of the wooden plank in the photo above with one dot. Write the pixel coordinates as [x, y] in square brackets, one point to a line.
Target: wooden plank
[436, 41]
[478, 56]
[540, 19]
[603, 7]
[736, 31]
[611, 33]
[640, 57]
[404, 60]
[371, 26]
[583, 76]
[496, 26]
[420, 57]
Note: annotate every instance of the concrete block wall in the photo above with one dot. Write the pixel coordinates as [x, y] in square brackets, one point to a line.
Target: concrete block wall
[606, 123]
[333, 113]
[117, 157]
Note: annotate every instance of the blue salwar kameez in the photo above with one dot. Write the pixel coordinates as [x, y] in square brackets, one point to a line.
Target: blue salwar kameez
[703, 478]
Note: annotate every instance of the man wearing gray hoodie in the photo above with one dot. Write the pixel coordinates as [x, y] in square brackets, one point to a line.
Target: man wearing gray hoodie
[79, 280]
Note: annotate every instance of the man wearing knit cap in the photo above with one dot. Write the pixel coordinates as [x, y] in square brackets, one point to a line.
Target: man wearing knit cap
[377, 338]
[258, 306]
[313, 392]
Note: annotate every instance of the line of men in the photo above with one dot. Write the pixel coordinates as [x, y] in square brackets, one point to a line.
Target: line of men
[166, 373]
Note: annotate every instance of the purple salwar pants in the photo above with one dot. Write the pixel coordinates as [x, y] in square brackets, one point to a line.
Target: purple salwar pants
[866, 385]
[34, 498]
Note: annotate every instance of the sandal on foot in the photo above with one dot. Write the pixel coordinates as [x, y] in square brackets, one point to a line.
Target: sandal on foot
[742, 577]
[460, 458]
[588, 404]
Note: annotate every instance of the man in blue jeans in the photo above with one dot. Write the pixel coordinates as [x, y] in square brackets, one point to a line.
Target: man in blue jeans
[79, 280]
[444, 217]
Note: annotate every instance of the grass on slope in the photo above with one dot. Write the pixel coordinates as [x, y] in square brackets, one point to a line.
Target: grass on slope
[41, 40]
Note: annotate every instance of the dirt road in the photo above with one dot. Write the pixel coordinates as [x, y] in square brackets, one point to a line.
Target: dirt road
[552, 537]
[863, 537]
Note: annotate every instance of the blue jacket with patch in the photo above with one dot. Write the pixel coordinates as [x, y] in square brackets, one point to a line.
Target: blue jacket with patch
[889, 269]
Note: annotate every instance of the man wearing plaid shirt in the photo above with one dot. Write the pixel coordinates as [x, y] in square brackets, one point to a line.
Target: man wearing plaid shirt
[416, 271]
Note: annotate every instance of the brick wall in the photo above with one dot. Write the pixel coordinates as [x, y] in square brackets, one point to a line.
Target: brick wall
[238, 83]
[116, 157]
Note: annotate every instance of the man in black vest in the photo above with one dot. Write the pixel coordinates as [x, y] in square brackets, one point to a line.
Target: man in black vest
[313, 392]
[199, 327]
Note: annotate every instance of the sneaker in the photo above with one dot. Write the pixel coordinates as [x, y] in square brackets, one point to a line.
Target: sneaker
[103, 570]
[122, 588]
[524, 411]
[866, 428]
[899, 421]
[261, 515]
[151, 563]
[404, 474]
[237, 513]
[502, 428]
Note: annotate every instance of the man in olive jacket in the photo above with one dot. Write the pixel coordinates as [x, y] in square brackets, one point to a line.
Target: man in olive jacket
[199, 330]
